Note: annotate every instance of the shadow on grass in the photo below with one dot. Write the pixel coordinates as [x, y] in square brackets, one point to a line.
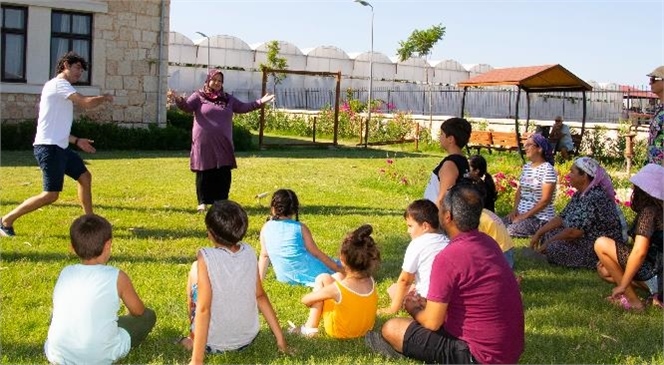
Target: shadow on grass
[9, 256]
[25, 158]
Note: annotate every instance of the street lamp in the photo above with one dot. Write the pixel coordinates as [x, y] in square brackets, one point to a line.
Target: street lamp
[366, 126]
[208, 47]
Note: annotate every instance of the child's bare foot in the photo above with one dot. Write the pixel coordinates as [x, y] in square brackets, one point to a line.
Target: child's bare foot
[185, 342]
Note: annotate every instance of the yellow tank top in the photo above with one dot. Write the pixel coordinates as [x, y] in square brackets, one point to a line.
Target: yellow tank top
[353, 316]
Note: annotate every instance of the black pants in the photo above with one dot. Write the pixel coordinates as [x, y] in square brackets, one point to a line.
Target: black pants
[213, 185]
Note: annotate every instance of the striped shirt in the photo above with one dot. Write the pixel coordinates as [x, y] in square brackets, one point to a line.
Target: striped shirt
[531, 181]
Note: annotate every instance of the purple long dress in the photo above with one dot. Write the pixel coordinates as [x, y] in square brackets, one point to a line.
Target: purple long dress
[212, 134]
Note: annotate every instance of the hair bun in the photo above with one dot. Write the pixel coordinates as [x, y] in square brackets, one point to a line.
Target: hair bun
[363, 231]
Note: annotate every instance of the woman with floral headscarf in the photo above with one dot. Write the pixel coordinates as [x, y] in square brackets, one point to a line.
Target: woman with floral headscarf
[533, 202]
[212, 154]
[622, 263]
[568, 239]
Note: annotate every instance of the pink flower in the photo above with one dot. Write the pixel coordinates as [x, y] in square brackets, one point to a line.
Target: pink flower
[513, 183]
[404, 181]
[389, 161]
[628, 204]
[499, 175]
[569, 192]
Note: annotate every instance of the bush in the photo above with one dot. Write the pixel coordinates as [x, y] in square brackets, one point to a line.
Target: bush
[18, 136]
[110, 136]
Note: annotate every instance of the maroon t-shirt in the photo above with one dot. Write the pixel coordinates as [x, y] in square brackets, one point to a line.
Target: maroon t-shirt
[484, 308]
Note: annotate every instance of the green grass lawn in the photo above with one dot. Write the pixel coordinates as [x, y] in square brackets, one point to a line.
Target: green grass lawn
[149, 198]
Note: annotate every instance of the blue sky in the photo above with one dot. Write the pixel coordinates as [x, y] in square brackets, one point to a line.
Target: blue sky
[603, 41]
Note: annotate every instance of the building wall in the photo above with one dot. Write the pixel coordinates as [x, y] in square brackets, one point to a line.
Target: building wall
[127, 60]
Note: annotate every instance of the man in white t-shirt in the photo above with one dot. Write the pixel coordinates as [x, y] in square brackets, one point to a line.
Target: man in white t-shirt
[51, 146]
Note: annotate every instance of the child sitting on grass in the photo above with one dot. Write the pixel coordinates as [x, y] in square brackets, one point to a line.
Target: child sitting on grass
[347, 302]
[490, 223]
[427, 240]
[478, 170]
[85, 327]
[224, 292]
[289, 245]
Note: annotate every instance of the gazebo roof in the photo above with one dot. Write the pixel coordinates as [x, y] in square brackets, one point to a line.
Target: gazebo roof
[531, 79]
[634, 93]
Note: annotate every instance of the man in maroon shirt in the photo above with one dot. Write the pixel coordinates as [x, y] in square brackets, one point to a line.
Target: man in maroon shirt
[473, 312]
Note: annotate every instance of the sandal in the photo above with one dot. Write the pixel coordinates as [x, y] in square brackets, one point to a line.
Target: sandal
[655, 302]
[302, 330]
[624, 303]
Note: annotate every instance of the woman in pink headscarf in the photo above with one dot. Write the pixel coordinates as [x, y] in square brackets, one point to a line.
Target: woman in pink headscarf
[212, 151]
[568, 239]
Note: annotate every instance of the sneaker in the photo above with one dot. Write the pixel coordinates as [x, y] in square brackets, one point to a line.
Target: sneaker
[200, 208]
[301, 330]
[377, 344]
[6, 231]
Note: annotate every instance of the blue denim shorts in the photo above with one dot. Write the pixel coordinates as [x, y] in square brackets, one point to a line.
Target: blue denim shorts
[56, 162]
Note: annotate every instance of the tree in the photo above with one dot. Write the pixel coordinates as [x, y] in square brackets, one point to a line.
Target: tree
[419, 44]
[275, 62]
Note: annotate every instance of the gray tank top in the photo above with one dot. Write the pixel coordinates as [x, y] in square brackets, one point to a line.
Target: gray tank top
[234, 314]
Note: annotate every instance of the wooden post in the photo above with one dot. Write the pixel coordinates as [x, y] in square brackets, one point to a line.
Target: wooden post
[262, 118]
[629, 150]
[314, 127]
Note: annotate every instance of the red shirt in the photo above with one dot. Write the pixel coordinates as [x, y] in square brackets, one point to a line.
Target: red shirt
[484, 302]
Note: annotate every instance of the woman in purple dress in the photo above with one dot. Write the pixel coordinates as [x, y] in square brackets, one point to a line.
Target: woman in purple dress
[212, 150]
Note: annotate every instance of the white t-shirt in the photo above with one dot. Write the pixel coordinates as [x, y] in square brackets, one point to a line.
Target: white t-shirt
[531, 182]
[84, 327]
[419, 257]
[56, 113]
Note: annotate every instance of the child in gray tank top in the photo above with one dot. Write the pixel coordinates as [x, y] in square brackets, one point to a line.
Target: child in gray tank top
[227, 320]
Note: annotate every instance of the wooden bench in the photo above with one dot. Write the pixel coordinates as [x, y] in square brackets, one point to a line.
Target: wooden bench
[502, 141]
[479, 140]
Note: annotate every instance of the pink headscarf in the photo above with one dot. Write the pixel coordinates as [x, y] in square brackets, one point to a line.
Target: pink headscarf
[206, 92]
[600, 177]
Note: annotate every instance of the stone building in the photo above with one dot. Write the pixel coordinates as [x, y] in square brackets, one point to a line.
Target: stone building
[124, 41]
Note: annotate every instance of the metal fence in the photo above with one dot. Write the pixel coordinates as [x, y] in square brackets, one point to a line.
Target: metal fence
[603, 106]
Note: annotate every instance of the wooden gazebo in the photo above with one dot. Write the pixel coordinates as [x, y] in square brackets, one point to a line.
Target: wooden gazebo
[533, 79]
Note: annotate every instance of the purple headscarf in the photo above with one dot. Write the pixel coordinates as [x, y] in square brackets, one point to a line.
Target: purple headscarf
[543, 143]
[211, 95]
[600, 177]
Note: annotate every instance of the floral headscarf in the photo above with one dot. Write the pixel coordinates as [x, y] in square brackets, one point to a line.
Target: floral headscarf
[217, 97]
[600, 178]
[543, 143]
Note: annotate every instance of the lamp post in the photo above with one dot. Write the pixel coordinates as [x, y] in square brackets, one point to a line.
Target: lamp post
[208, 47]
[366, 125]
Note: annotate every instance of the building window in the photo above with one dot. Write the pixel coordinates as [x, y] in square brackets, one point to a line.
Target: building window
[14, 27]
[71, 32]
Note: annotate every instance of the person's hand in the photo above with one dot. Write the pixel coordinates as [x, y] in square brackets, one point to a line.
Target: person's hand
[267, 98]
[85, 145]
[517, 217]
[512, 215]
[618, 291]
[535, 241]
[284, 349]
[172, 97]
[414, 303]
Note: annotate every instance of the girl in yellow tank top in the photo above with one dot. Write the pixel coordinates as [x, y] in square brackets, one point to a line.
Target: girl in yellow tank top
[347, 301]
